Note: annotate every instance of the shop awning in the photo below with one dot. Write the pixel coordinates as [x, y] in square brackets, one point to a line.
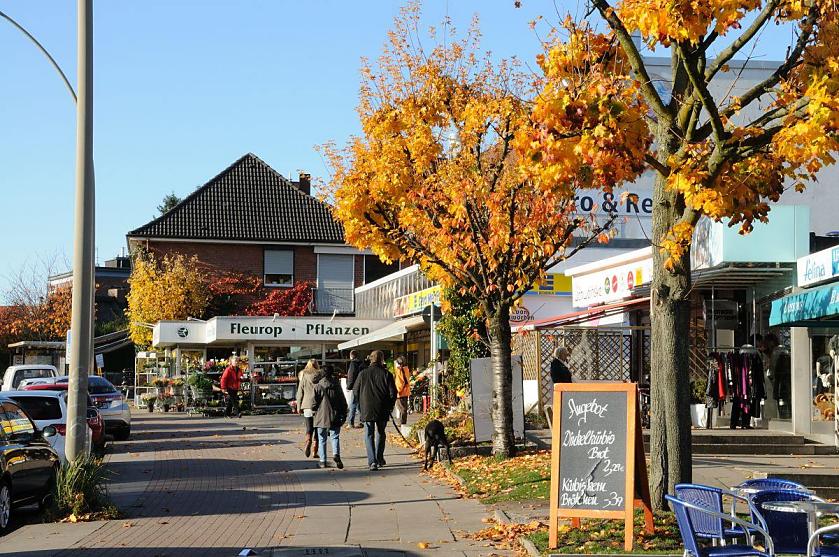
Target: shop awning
[586, 315]
[817, 307]
[395, 332]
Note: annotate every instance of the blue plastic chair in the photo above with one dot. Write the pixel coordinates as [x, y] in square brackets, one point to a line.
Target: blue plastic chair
[772, 483]
[789, 530]
[691, 541]
[707, 526]
[829, 532]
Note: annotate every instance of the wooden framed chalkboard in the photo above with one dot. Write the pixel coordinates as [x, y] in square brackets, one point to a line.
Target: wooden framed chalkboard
[598, 469]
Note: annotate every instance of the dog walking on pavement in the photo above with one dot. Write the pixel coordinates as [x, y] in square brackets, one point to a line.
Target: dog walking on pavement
[435, 435]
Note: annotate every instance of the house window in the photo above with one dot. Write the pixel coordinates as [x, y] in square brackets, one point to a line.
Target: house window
[279, 267]
[335, 283]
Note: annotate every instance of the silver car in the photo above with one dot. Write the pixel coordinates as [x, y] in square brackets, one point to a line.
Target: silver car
[111, 405]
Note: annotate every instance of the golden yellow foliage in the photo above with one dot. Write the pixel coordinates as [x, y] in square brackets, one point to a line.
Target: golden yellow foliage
[434, 177]
[169, 288]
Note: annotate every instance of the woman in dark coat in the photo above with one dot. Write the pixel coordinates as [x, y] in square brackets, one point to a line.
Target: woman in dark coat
[330, 408]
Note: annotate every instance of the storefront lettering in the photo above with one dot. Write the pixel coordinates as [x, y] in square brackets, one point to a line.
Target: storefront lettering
[814, 272]
[610, 203]
[239, 329]
[322, 329]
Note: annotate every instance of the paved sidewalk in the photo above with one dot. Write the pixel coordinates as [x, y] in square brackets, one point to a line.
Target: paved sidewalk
[192, 486]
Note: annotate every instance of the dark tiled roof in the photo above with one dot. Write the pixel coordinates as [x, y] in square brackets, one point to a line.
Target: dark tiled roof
[248, 201]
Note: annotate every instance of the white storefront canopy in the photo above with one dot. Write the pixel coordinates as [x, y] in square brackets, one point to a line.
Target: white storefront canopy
[395, 332]
[296, 331]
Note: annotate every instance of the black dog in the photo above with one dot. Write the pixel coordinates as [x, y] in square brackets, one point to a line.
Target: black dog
[435, 435]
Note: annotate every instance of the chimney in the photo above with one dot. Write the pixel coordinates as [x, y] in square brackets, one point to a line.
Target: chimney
[304, 184]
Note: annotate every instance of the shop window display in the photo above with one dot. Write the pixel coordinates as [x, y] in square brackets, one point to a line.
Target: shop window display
[825, 353]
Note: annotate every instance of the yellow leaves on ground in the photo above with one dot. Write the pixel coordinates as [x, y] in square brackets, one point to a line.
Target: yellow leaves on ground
[506, 536]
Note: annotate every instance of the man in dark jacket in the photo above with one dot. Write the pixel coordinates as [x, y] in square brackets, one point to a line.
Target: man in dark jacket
[375, 390]
[559, 366]
[353, 369]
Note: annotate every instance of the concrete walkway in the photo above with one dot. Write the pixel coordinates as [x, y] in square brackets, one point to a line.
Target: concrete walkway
[193, 486]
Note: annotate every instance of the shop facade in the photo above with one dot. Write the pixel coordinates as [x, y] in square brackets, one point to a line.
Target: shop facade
[811, 314]
[735, 279]
[272, 349]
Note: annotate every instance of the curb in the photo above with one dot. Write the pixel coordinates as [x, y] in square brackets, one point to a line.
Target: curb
[503, 518]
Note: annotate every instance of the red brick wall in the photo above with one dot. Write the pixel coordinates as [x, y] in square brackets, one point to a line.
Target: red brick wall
[241, 258]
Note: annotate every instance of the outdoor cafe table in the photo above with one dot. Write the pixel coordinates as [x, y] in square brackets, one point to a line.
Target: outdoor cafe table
[814, 509]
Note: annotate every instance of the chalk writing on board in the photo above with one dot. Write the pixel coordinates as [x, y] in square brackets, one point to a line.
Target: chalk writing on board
[593, 450]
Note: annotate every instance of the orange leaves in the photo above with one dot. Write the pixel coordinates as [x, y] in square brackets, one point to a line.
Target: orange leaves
[588, 124]
[46, 319]
[670, 21]
[506, 535]
[434, 177]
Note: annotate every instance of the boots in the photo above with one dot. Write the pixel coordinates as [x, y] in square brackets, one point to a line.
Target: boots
[314, 446]
[308, 450]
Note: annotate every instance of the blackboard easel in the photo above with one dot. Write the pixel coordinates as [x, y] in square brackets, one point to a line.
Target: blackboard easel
[586, 427]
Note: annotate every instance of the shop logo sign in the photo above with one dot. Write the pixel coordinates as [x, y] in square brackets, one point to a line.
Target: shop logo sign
[835, 257]
[814, 272]
[521, 315]
[183, 332]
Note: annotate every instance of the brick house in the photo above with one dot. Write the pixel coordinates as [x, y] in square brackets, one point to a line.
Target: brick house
[250, 219]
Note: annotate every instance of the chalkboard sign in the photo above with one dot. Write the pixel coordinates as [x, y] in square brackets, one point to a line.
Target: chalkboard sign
[597, 455]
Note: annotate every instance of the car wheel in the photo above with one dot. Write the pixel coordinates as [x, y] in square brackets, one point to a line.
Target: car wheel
[46, 501]
[123, 433]
[5, 506]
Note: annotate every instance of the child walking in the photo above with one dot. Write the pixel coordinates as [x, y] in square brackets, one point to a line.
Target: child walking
[330, 408]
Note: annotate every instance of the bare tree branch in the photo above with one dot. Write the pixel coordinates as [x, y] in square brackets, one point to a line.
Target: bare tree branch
[731, 50]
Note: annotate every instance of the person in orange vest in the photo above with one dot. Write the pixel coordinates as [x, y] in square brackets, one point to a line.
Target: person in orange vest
[402, 376]
[231, 381]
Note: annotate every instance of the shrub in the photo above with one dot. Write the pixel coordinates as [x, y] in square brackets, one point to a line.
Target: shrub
[80, 490]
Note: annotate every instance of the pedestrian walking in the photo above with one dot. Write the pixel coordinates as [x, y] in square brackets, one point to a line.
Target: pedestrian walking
[330, 408]
[402, 377]
[559, 366]
[231, 381]
[376, 393]
[307, 379]
[353, 369]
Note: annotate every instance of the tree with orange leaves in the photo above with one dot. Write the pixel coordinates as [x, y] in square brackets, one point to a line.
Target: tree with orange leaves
[434, 179]
[713, 156]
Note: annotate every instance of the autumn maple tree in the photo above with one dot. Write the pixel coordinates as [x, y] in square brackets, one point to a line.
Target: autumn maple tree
[434, 179]
[163, 288]
[723, 156]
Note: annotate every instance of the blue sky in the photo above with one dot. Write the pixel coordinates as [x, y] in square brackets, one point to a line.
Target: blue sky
[185, 87]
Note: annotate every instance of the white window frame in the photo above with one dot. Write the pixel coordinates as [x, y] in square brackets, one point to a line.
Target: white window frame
[265, 269]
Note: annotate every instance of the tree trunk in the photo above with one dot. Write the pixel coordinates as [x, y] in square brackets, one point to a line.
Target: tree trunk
[500, 337]
[670, 436]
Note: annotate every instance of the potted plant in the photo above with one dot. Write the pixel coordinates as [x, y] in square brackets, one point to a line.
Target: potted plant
[167, 403]
[698, 412]
[177, 386]
[160, 384]
[148, 399]
[200, 385]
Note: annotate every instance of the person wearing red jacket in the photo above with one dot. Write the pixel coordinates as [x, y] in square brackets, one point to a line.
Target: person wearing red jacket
[231, 380]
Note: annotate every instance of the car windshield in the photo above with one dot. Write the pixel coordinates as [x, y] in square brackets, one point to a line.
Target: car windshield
[36, 373]
[95, 385]
[40, 407]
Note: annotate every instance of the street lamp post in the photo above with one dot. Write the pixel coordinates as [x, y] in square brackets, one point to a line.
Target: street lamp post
[81, 349]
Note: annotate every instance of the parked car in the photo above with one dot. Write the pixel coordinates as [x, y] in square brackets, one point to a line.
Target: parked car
[94, 417]
[111, 404]
[48, 408]
[14, 375]
[28, 464]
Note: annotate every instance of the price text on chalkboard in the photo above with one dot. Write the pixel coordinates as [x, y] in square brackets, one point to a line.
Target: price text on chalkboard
[593, 456]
